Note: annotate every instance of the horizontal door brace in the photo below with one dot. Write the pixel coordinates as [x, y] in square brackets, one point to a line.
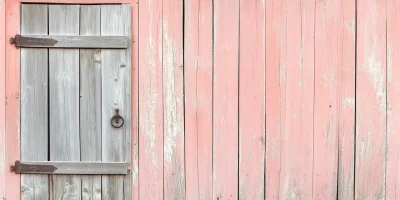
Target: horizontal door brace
[68, 41]
[69, 167]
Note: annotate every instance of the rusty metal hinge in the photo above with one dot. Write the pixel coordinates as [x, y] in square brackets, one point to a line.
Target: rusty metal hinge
[21, 41]
[20, 168]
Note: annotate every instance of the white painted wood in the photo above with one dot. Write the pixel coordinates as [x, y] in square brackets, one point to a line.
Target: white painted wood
[116, 87]
[76, 41]
[64, 101]
[90, 100]
[34, 102]
[80, 167]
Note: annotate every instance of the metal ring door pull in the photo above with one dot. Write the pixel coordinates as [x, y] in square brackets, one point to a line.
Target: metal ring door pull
[117, 121]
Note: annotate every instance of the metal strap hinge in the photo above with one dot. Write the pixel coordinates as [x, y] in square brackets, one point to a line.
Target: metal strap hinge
[70, 41]
[21, 41]
[73, 168]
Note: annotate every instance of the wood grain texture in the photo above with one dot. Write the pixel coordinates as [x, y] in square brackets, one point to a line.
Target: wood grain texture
[371, 140]
[174, 160]
[116, 88]
[2, 99]
[225, 99]
[90, 100]
[252, 100]
[150, 101]
[64, 101]
[275, 59]
[12, 75]
[297, 131]
[70, 167]
[327, 103]
[34, 102]
[198, 98]
[393, 92]
[65, 41]
[346, 99]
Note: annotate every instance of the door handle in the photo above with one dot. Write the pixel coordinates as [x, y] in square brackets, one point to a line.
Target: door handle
[117, 121]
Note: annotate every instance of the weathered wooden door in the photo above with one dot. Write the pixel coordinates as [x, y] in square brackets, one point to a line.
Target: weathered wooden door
[75, 101]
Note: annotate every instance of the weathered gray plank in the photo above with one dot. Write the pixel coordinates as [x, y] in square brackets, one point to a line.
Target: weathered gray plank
[90, 100]
[64, 101]
[76, 41]
[128, 100]
[34, 102]
[116, 73]
[59, 167]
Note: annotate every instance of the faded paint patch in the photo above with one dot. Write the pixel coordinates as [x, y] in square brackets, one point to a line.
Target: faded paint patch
[352, 27]
[389, 122]
[374, 70]
[348, 102]
[135, 171]
[260, 193]
[328, 79]
[242, 187]
[292, 189]
[302, 82]
[390, 63]
[172, 125]
[149, 122]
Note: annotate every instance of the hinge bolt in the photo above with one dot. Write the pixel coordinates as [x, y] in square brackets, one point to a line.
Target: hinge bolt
[12, 168]
[12, 40]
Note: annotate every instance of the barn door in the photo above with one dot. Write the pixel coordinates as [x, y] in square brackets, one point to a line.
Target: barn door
[75, 101]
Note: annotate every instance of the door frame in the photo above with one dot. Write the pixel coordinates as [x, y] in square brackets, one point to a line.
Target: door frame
[10, 110]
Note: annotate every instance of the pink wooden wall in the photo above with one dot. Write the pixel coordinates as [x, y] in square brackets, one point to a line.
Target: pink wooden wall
[240, 99]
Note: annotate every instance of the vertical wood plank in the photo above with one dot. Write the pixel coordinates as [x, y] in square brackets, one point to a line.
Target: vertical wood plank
[326, 102]
[64, 101]
[275, 93]
[150, 101]
[346, 100]
[90, 100]
[135, 100]
[12, 100]
[127, 19]
[34, 101]
[252, 99]
[2, 98]
[116, 88]
[371, 100]
[393, 97]
[198, 98]
[334, 99]
[297, 138]
[174, 161]
[225, 99]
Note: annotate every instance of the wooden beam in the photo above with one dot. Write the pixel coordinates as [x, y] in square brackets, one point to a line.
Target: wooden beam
[65, 167]
[76, 41]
